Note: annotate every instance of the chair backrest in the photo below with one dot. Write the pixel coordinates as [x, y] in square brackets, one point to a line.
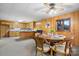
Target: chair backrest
[69, 44]
[39, 42]
[40, 31]
[70, 38]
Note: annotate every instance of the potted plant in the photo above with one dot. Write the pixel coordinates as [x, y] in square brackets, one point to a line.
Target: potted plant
[52, 31]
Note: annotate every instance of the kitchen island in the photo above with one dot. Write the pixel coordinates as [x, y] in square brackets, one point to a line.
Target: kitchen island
[27, 34]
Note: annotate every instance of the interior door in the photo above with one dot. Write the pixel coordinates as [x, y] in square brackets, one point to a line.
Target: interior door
[4, 29]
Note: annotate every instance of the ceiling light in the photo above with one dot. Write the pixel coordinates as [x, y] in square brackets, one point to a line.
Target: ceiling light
[52, 12]
[20, 20]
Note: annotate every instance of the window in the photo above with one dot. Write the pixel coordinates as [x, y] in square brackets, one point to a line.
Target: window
[63, 24]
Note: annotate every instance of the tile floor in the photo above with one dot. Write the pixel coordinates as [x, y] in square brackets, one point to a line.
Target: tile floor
[11, 47]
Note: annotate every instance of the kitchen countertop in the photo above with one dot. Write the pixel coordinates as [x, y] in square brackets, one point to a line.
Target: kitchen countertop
[13, 30]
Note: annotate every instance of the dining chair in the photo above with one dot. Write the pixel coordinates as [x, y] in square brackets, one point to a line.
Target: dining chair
[41, 46]
[65, 47]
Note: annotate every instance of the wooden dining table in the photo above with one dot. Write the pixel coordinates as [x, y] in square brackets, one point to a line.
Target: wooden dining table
[53, 40]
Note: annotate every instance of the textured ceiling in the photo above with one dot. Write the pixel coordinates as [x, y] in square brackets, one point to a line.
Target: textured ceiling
[28, 12]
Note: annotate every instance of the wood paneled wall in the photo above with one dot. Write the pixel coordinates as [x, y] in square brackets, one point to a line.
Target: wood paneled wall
[74, 16]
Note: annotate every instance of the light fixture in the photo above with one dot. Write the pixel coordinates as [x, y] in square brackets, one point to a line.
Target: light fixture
[52, 12]
[20, 20]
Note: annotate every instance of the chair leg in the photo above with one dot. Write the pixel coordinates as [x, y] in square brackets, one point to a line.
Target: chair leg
[36, 52]
[51, 52]
[42, 53]
[54, 52]
[70, 52]
[70, 49]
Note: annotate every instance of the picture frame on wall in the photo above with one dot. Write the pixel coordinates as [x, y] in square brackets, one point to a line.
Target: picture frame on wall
[47, 25]
[63, 24]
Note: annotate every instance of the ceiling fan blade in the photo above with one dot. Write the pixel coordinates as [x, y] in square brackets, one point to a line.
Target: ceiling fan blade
[47, 5]
[48, 11]
[37, 9]
[68, 4]
[63, 5]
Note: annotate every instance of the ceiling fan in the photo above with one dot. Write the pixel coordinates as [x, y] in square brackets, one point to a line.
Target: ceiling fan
[54, 7]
